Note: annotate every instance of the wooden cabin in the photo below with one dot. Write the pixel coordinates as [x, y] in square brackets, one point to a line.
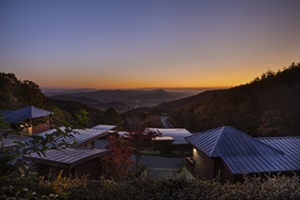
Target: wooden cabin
[230, 154]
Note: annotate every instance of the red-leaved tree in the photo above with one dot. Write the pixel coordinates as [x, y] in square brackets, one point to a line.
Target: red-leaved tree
[116, 164]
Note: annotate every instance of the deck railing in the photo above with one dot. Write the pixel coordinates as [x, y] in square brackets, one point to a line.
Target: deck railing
[190, 164]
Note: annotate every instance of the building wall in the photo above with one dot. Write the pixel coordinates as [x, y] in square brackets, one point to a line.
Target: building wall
[209, 168]
[204, 165]
[224, 172]
[162, 146]
[40, 127]
[52, 171]
[185, 149]
[93, 168]
[165, 147]
[37, 128]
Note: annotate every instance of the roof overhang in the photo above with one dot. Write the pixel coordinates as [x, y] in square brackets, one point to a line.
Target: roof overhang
[68, 158]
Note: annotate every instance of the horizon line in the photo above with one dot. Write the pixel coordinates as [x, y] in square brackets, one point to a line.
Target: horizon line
[137, 88]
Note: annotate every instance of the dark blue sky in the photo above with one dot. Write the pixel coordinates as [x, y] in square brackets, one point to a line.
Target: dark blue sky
[132, 44]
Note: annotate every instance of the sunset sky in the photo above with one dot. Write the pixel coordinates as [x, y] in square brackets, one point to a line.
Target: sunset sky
[147, 44]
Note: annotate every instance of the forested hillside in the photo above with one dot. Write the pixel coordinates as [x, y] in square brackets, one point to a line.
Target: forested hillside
[15, 94]
[268, 106]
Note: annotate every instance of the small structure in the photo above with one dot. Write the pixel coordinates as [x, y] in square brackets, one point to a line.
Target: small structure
[74, 162]
[34, 119]
[81, 159]
[170, 140]
[102, 142]
[104, 127]
[230, 154]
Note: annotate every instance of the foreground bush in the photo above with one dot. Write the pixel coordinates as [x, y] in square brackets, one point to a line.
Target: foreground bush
[279, 187]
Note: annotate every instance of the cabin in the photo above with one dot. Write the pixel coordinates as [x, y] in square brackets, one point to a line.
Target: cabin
[230, 154]
[85, 138]
[33, 119]
[83, 158]
[169, 140]
[74, 162]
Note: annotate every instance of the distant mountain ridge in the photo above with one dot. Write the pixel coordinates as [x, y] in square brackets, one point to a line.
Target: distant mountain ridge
[129, 99]
[126, 94]
[268, 106]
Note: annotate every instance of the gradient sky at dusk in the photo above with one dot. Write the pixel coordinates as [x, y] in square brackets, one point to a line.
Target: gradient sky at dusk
[138, 44]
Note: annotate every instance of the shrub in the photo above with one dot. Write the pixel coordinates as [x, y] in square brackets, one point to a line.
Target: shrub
[272, 187]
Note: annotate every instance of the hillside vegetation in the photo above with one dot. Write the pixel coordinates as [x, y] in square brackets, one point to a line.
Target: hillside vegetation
[279, 187]
[268, 106]
[15, 94]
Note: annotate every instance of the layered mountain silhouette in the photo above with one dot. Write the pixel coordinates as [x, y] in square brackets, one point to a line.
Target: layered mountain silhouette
[268, 106]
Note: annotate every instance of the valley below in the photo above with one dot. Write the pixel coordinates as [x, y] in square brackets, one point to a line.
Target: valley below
[120, 100]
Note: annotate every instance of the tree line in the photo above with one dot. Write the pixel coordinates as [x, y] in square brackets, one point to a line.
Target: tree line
[267, 106]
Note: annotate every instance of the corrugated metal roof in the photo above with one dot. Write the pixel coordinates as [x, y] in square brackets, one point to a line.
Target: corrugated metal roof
[20, 115]
[228, 141]
[289, 145]
[163, 138]
[66, 158]
[178, 134]
[245, 154]
[81, 135]
[123, 133]
[104, 127]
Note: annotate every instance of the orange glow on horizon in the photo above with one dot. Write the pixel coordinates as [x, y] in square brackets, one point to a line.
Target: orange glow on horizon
[167, 78]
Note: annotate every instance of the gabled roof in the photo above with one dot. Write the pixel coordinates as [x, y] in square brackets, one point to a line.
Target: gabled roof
[67, 158]
[82, 136]
[289, 145]
[178, 134]
[20, 115]
[244, 154]
[228, 141]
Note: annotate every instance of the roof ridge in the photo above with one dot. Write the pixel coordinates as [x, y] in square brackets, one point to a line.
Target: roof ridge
[218, 140]
[264, 144]
[260, 142]
[269, 146]
[277, 137]
[31, 111]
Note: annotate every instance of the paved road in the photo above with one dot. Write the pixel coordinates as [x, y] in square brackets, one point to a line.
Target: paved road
[165, 122]
[159, 168]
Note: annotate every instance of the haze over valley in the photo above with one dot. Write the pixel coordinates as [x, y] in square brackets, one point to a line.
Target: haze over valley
[121, 100]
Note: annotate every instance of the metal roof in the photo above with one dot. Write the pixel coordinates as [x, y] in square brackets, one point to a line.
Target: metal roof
[67, 158]
[260, 164]
[228, 141]
[166, 138]
[104, 127]
[178, 134]
[82, 136]
[20, 115]
[123, 133]
[289, 145]
[245, 154]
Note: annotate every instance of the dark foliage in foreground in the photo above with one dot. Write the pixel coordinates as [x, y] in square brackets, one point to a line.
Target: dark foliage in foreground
[66, 188]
